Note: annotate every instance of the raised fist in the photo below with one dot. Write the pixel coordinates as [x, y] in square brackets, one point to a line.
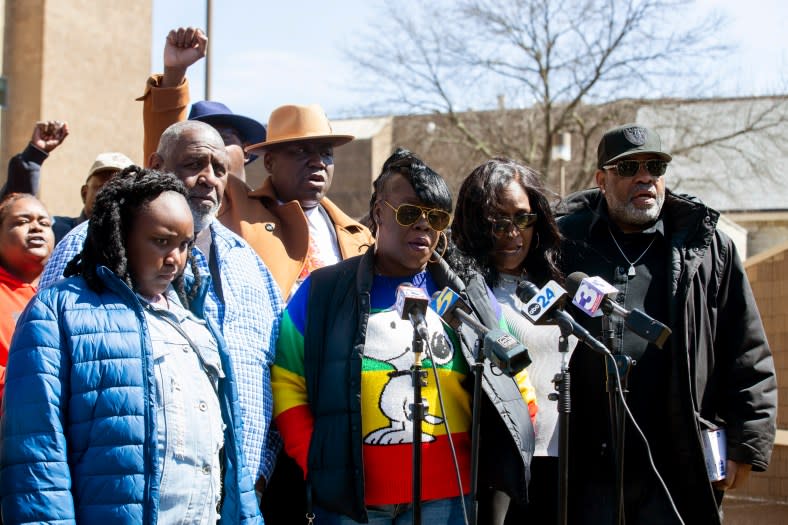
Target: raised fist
[184, 47]
[49, 134]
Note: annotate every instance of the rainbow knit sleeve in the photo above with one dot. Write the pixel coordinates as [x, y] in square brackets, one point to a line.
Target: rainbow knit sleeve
[292, 414]
[523, 381]
[528, 392]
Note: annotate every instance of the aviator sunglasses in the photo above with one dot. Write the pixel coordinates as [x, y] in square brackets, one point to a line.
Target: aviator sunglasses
[521, 221]
[628, 168]
[409, 214]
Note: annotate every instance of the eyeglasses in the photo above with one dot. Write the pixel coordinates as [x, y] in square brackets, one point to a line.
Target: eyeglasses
[521, 221]
[410, 214]
[629, 168]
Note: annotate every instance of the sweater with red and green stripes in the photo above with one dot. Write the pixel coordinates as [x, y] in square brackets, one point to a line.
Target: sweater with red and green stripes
[387, 427]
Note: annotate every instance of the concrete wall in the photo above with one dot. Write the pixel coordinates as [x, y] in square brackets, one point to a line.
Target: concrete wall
[737, 233]
[765, 235]
[22, 67]
[764, 229]
[358, 163]
[2, 48]
[351, 185]
[83, 62]
[767, 272]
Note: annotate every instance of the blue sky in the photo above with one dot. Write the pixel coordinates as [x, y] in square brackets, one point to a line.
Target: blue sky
[269, 53]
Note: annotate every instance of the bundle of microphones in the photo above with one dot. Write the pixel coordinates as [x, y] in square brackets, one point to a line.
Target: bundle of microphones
[591, 295]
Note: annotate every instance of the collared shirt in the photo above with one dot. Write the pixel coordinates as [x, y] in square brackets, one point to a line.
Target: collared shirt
[323, 247]
[249, 319]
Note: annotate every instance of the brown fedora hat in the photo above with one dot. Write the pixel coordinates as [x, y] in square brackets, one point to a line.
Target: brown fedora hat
[291, 123]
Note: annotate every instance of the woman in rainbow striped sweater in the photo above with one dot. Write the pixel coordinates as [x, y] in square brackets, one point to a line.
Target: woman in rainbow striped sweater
[345, 418]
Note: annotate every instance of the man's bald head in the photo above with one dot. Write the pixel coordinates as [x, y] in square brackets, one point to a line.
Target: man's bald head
[195, 153]
[173, 137]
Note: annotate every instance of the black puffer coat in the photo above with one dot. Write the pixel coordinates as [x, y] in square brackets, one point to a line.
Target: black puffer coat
[722, 368]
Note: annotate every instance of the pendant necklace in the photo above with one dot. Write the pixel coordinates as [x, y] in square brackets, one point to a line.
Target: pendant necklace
[631, 271]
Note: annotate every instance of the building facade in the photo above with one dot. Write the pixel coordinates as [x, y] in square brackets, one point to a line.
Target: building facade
[80, 61]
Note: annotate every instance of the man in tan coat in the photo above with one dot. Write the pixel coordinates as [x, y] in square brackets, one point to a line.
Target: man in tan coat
[288, 220]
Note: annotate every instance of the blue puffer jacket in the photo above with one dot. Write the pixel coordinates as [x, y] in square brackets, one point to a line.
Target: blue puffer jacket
[79, 430]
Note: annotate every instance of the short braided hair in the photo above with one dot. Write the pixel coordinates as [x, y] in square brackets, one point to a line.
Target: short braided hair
[430, 187]
[114, 213]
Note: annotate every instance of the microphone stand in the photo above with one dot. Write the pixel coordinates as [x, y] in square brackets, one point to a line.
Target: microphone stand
[478, 371]
[476, 410]
[418, 408]
[418, 378]
[478, 374]
[619, 365]
[564, 407]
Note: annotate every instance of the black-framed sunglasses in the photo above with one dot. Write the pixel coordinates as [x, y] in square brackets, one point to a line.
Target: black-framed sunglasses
[409, 214]
[629, 168]
[521, 221]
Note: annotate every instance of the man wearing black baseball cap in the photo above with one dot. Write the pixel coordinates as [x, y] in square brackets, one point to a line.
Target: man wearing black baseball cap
[630, 169]
[167, 96]
[665, 255]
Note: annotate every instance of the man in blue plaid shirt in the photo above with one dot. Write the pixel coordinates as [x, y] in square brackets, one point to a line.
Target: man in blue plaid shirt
[243, 300]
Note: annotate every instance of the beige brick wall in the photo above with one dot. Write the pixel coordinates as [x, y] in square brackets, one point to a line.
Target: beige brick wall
[2, 48]
[22, 63]
[80, 61]
[767, 276]
[767, 273]
[772, 484]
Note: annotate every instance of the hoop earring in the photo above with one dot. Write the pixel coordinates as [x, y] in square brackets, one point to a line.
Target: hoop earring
[445, 247]
[537, 241]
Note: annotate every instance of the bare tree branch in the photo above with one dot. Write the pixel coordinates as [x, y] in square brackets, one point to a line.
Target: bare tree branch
[569, 65]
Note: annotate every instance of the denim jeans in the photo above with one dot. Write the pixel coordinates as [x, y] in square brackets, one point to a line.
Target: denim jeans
[435, 512]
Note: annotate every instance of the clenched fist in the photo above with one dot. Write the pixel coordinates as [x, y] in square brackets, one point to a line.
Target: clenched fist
[184, 47]
[49, 134]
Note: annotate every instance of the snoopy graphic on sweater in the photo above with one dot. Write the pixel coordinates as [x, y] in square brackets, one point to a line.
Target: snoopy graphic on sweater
[390, 341]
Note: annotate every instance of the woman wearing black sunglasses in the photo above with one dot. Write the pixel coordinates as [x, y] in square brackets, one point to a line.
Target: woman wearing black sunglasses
[503, 228]
[342, 392]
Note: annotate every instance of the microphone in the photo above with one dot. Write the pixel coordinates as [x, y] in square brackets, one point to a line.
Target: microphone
[503, 350]
[541, 302]
[411, 304]
[450, 306]
[542, 307]
[595, 296]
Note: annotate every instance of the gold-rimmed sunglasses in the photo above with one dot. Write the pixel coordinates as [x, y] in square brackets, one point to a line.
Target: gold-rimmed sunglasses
[409, 214]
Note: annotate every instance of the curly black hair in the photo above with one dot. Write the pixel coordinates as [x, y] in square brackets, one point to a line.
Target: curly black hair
[471, 229]
[430, 187]
[114, 213]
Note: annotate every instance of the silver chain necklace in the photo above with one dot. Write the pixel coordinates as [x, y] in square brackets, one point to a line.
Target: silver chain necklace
[631, 272]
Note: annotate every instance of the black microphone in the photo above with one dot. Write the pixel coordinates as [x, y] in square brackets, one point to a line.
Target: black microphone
[503, 350]
[412, 305]
[592, 294]
[542, 306]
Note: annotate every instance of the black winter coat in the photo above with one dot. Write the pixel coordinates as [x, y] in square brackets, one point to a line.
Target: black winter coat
[722, 368]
